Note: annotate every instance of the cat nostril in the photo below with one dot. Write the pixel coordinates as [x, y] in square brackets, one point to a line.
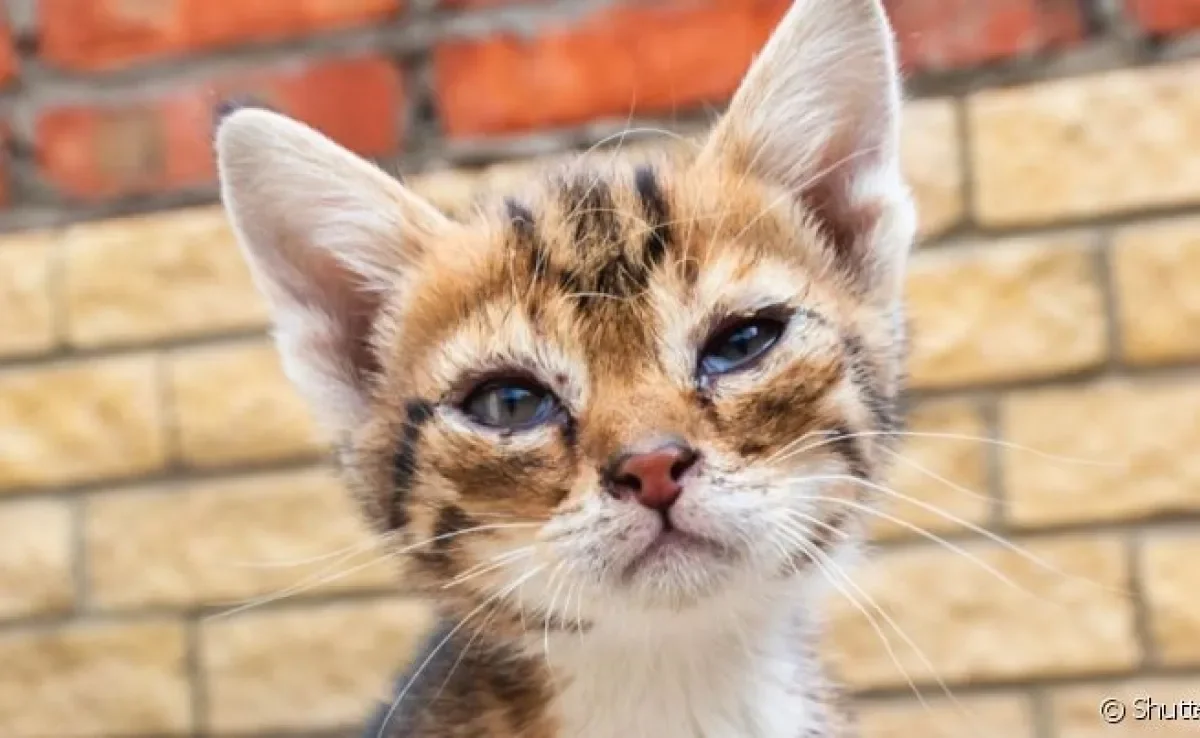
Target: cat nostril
[685, 462]
[653, 477]
[628, 481]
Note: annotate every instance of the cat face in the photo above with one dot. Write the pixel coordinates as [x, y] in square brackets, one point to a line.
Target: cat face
[646, 381]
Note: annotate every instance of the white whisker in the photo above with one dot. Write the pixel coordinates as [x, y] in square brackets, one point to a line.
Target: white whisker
[998, 539]
[442, 644]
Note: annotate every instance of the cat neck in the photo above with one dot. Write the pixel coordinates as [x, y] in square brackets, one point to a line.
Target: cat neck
[728, 672]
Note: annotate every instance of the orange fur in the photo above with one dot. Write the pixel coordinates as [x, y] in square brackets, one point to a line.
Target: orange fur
[604, 283]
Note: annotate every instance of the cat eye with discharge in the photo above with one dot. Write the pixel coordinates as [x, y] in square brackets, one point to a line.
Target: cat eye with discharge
[740, 345]
[510, 404]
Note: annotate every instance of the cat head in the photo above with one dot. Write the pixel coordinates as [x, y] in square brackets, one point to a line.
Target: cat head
[651, 380]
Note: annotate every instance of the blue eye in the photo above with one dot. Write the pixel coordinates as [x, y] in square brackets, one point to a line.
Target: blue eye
[510, 404]
[739, 346]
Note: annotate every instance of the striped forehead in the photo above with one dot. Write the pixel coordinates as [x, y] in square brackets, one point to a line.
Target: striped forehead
[592, 244]
[589, 255]
[597, 237]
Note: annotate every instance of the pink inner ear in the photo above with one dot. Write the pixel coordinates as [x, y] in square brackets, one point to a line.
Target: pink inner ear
[846, 223]
[316, 281]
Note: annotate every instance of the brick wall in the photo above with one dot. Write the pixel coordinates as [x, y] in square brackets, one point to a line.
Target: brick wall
[176, 560]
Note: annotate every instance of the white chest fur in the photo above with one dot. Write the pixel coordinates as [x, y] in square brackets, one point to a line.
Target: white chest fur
[687, 682]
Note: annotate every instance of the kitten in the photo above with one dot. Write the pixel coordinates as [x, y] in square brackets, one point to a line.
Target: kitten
[619, 423]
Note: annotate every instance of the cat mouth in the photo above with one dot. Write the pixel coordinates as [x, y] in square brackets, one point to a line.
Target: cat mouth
[673, 543]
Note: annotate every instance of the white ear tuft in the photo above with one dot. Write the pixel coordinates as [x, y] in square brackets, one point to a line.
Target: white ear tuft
[327, 236]
[819, 114]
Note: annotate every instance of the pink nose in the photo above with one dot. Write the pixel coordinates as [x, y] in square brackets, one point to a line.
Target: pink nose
[653, 477]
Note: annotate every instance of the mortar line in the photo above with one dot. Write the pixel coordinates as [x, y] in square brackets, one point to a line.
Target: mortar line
[1041, 712]
[1143, 630]
[1102, 262]
[195, 671]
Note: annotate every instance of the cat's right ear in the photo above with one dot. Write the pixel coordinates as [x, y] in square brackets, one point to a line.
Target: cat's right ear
[818, 115]
[328, 236]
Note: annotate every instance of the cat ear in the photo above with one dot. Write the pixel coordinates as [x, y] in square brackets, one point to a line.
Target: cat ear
[328, 236]
[819, 114]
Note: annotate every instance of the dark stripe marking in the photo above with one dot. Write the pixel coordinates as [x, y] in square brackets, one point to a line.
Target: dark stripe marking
[451, 519]
[404, 463]
[656, 213]
[590, 205]
[525, 234]
[569, 432]
[882, 409]
[846, 445]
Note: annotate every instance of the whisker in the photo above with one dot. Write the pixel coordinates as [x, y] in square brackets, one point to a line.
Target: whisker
[319, 578]
[462, 654]
[950, 545]
[960, 437]
[833, 568]
[549, 613]
[442, 644]
[938, 477]
[488, 567]
[305, 585]
[995, 538]
[292, 563]
[887, 642]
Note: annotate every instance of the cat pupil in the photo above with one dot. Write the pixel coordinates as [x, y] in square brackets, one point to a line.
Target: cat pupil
[744, 341]
[507, 406]
[738, 347]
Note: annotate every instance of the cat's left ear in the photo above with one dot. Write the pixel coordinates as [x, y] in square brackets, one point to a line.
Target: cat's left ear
[819, 115]
[328, 238]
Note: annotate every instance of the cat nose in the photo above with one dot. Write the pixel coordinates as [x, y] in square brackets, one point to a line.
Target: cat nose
[653, 477]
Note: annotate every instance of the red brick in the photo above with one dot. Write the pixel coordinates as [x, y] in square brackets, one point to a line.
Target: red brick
[9, 66]
[1165, 16]
[107, 34]
[164, 142]
[5, 135]
[950, 34]
[478, 4]
[471, 4]
[637, 57]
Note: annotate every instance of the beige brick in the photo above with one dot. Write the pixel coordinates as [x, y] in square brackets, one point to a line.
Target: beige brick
[230, 541]
[992, 716]
[449, 189]
[1148, 706]
[1088, 146]
[1156, 269]
[455, 190]
[27, 311]
[309, 668]
[155, 277]
[1069, 615]
[921, 459]
[95, 680]
[94, 420]
[1172, 584]
[35, 546]
[1109, 451]
[1022, 308]
[233, 404]
[932, 162]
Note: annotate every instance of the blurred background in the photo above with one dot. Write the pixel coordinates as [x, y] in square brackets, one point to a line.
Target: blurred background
[175, 558]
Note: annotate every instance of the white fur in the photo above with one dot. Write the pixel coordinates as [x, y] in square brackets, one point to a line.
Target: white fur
[819, 111]
[325, 234]
[736, 675]
[694, 645]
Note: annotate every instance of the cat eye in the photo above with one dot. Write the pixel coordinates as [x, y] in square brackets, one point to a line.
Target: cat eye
[510, 404]
[740, 345]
